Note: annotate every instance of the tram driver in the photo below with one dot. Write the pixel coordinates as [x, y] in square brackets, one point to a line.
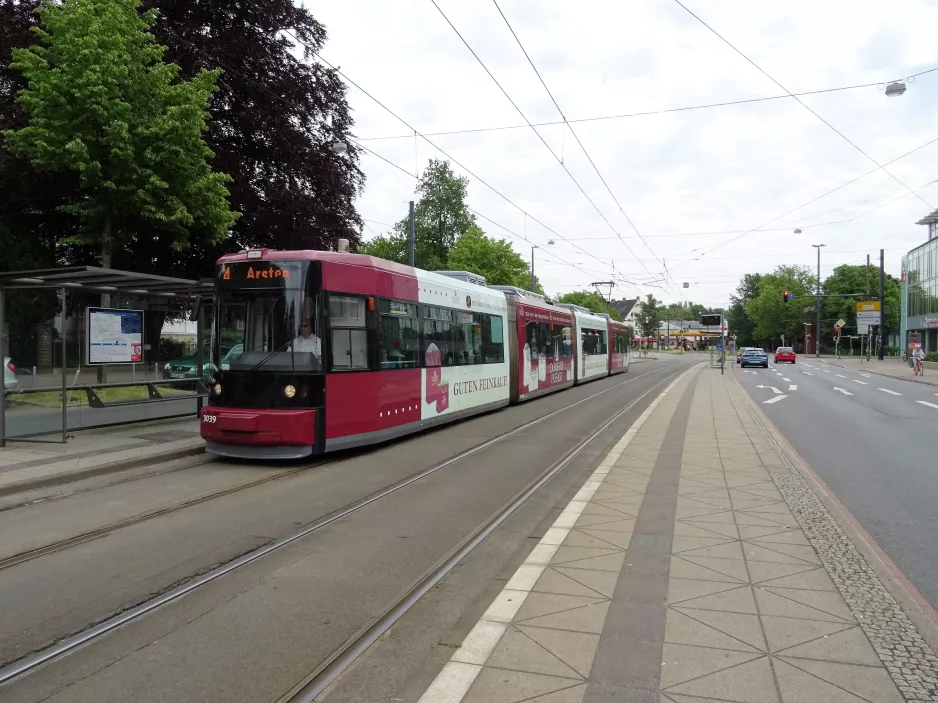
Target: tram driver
[307, 341]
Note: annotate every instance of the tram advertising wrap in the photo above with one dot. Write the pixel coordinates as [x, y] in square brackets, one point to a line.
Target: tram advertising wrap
[546, 349]
[320, 351]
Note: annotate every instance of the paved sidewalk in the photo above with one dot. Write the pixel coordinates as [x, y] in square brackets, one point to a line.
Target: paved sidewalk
[24, 465]
[679, 574]
[894, 368]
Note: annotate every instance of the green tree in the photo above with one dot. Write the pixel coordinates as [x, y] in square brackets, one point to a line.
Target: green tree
[649, 317]
[440, 217]
[590, 300]
[738, 320]
[771, 315]
[103, 105]
[391, 246]
[492, 258]
[864, 280]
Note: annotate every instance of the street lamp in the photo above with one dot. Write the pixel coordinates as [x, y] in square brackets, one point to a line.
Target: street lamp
[817, 303]
[339, 147]
[895, 89]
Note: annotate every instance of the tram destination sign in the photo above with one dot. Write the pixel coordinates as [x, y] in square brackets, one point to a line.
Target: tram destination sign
[262, 274]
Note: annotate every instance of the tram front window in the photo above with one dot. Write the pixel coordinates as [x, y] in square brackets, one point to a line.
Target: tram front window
[270, 327]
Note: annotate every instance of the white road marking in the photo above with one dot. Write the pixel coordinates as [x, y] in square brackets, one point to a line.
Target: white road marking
[786, 379]
[857, 380]
[779, 397]
[775, 390]
[865, 375]
[843, 390]
[793, 387]
[886, 390]
[840, 375]
[807, 373]
[826, 371]
[925, 402]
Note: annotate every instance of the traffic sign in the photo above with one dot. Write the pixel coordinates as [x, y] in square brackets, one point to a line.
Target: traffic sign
[840, 323]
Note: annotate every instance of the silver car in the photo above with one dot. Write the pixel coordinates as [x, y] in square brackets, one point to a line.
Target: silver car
[10, 381]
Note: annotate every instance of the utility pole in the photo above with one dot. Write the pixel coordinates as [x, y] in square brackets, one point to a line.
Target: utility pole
[533, 247]
[882, 304]
[817, 330]
[410, 236]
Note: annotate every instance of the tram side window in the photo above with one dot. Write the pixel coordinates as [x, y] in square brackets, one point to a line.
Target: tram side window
[349, 336]
[399, 335]
[468, 338]
[493, 341]
[621, 343]
[439, 336]
[594, 342]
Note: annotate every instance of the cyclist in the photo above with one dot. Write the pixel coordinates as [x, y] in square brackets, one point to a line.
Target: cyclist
[917, 357]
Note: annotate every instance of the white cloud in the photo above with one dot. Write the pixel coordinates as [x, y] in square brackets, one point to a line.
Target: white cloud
[715, 170]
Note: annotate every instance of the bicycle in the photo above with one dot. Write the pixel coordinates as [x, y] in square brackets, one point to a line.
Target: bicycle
[919, 369]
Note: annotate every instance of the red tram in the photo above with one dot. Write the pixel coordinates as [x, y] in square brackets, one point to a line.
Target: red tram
[322, 351]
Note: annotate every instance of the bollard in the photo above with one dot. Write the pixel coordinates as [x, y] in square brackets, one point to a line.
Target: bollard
[34, 376]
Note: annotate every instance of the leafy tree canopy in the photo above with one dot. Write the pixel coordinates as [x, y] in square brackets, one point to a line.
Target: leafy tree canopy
[738, 320]
[102, 104]
[857, 279]
[648, 319]
[771, 315]
[276, 113]
[492, 258]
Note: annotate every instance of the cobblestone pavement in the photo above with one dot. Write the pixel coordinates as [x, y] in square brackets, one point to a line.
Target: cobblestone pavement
[695, 565]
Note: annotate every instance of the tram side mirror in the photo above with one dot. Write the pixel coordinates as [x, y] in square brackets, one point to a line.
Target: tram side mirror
[196, 309]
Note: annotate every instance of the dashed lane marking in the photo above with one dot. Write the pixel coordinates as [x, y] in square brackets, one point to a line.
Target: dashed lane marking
[843, 390]
[807, 373]
[792, 387]
[840, 375]
[886, 390]
[786, 379]
[857, 380]
[780, 397]
[925, 402]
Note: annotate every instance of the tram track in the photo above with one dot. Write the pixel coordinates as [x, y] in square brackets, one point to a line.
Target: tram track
[68, 644]
[333, 667]
[101, 532]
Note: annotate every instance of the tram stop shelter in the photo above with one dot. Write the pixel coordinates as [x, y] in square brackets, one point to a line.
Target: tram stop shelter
[90, 280]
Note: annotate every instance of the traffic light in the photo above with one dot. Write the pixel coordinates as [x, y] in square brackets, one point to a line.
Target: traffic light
[836, 330]
[785, 296]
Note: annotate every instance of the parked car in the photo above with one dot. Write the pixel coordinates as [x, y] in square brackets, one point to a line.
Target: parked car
[187, 366]
[755, 357]
[10, 381]
[784, 354]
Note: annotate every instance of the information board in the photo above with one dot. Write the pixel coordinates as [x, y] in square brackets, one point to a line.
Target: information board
[114, 336]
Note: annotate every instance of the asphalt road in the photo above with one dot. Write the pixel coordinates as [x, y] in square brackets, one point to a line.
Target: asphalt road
[255, 633]
[24, 421]
[872, 440]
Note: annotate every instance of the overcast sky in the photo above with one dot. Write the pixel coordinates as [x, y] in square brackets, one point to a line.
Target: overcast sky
[688, 180]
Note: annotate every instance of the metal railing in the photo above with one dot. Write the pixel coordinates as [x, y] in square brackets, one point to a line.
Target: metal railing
[94, 392]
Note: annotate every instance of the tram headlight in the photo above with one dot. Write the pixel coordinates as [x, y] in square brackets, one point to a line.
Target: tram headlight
[217, 389]
[289, 391]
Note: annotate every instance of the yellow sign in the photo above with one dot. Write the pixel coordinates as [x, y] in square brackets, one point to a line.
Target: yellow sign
[868, 306]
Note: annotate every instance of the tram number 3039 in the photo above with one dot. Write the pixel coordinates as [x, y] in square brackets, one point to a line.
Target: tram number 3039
[210, 419]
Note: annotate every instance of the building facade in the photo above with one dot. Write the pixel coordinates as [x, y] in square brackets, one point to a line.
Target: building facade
[920, 290]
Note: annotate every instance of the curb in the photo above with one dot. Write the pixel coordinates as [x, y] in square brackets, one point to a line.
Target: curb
[923, 616]
[99, 470]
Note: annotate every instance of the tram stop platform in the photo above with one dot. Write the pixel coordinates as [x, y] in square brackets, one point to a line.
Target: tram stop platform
[27, 466]
[700, 563]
